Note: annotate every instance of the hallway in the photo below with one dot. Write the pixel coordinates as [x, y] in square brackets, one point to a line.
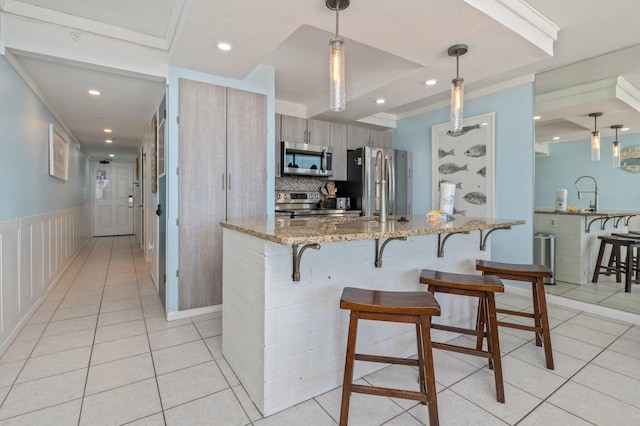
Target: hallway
[99, 351]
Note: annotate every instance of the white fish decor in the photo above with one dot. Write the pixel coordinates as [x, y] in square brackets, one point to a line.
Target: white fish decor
[460, 212]
[477, 198]
[475, 151]
[483, 172]
[442, 153]
[448, 168]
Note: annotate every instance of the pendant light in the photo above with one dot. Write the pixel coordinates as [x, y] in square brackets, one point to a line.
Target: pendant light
[336, 61]
[616, 147]
[457, 90]
[595, 137]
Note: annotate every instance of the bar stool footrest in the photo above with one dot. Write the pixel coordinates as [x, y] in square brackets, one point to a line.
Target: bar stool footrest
[515, 313]
[453, 329]
[520, 326]
[387, 359]
[394, 393]
[462, 350]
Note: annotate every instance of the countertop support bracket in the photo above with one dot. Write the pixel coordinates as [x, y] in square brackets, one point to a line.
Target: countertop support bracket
[604, 223]
[626, 222]
[587, 227]
[381, 250]
[483, 241]
[296, 258]
[618, 219]
[442, 241]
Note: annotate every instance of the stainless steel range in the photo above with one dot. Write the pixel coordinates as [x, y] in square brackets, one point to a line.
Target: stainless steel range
[306, 204]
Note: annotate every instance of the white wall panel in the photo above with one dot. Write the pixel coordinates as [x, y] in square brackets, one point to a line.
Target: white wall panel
[34, 252]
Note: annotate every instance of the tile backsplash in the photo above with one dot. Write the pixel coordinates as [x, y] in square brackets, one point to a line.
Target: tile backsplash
[299, 183]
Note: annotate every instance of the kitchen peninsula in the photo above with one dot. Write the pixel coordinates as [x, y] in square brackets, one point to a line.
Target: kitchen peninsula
[576, 238]
[286, 339]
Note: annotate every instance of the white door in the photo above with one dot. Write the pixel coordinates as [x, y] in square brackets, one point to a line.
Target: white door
[112, 199]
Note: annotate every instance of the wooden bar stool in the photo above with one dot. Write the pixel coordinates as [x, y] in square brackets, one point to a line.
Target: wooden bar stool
[534, 274]
[482, 287]
[615, 263]
[415, 307]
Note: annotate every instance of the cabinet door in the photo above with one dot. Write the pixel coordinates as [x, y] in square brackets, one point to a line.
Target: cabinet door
[357, 137]
[293, 129]
[246, 155]
[318, 132]
[382, 138]
[202, 147]
[278, 146]
[339, 145]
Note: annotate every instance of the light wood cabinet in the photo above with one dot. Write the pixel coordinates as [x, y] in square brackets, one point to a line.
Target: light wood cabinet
[222, 176]
[357, 137]
[382, 138]
[339, 145]
[301, 130]
[278, 146]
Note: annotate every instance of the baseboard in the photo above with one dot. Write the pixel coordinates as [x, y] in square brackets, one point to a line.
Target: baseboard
[172, 316]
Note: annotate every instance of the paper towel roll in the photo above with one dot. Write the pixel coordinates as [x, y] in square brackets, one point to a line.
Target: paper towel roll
[561, 199]
[447, 197]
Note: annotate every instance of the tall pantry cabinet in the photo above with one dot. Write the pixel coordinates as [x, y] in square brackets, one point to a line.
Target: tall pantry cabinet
[222, 176]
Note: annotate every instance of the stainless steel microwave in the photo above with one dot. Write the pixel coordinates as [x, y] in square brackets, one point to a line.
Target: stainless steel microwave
[306, 160]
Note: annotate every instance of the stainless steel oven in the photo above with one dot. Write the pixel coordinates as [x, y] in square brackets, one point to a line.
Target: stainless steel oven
[306, 160]
[307, 204]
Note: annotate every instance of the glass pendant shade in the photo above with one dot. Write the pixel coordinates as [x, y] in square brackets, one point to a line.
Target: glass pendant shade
[616, 154]
[595, 146]
[336, 75]
[457, 102]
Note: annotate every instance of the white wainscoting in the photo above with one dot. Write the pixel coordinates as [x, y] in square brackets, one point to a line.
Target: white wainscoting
[34, 252]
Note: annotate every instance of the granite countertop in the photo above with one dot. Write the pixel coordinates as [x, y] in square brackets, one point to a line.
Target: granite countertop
[334, 229]
[601, 212]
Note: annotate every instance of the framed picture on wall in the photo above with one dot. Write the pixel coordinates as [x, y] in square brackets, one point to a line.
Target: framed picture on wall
[58, 154]
[466, 161]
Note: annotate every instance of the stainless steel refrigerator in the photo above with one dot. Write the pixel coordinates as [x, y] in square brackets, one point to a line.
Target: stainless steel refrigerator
[365, 179]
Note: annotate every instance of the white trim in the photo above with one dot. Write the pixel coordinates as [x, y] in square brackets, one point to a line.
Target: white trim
[380, 119]
[24, 75]
[522, 19]
[171, 316]
[582, 306]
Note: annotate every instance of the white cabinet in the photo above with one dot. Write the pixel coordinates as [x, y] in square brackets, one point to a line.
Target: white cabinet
[222, 176]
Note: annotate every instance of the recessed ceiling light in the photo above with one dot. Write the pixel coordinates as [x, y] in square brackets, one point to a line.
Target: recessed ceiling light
[484, 124]
[431, 82]
[94, 92]
[111, 155]
[380, 101]
[224, 46]
[556, 138]
[107, 130]
[537, 117]
[624, 129]
[108, 140]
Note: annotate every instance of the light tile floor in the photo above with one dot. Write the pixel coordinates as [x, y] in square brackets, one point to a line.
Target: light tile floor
[606, 292]
[98, 351]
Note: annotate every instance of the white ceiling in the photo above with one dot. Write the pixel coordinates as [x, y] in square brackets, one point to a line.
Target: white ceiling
[124, 48]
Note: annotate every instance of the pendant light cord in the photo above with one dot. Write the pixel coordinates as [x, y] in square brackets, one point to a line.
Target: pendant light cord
[457, 65]
[337, 14]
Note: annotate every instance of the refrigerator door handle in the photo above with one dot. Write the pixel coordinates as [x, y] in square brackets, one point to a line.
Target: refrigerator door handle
[392, 187]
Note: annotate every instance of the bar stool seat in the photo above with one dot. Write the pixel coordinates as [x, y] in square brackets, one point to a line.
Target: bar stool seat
[482, 287]
[415, 307]
[615, 263]
[534, 274]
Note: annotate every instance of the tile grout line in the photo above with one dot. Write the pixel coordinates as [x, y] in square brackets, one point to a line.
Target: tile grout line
[48, 322]
[95, 331]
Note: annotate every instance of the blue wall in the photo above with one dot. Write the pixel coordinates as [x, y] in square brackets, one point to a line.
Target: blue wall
[26, 189]
[514, 161]
[567, 161]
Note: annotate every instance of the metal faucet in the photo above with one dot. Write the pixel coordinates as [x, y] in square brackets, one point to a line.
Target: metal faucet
[382, 217]
[594, 207]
